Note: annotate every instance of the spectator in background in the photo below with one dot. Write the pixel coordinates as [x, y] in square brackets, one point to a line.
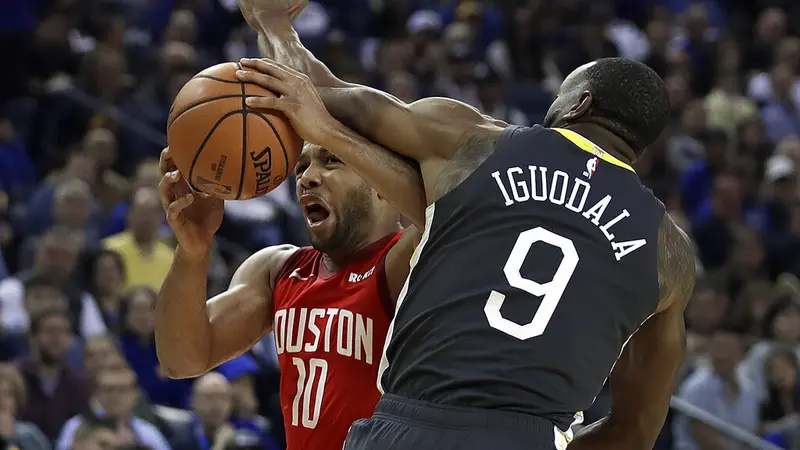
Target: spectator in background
[146, 175]
[242, 373]
[211, 404]
[719, 391]
[17, 172]
[13, 398]
[147, 259]
[99, 353]
[781, 328]
[726, 107]
[137, 340]
[698, 180]
[111, 187]
[714, 232]
[785, 250]
[781, 115]
[56, 392]
[685, 146]
[41, 295]
[780, 179]
[492, 99]
[114, 398]
[73, 208]
[783, 389]
[745, 263]
[55, 260]
[95, 434]
[104, 272]
[38, 215]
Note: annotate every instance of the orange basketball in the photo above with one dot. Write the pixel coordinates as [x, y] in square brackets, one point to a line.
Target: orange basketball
[221, 146]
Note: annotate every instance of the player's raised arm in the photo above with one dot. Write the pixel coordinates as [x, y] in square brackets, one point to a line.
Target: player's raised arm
[192, 335]
[643, 378]
[396, 177]
[426, 129]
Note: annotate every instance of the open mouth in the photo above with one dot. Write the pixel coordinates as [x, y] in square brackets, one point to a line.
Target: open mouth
[316, 211]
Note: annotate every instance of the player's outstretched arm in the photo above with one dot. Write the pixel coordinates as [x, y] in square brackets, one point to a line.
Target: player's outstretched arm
[643, 379]
[429, 128]
[395, 177]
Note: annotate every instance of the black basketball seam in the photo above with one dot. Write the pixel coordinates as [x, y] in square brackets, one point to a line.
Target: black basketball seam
[280, 141]
[201, 102]
[205, 141]
[244, 138]
[221, 80]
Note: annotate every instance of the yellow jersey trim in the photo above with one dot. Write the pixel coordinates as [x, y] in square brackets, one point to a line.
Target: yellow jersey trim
[589, 147]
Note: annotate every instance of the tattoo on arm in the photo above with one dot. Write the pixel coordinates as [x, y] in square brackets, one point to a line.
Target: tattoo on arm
[472, 152]
[677, 268]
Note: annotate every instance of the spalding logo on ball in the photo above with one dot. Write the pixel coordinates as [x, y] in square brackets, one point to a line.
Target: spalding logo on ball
[221, 146]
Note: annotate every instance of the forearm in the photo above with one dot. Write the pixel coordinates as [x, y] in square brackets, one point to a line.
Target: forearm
[183, 330]
[278, 40]
[358, 107]
[396, 178]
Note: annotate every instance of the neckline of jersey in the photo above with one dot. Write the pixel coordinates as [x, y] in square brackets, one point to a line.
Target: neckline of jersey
[590, 147]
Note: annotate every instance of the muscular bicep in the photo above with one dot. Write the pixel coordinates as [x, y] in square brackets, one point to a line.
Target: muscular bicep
[242, 315]
[426, 129]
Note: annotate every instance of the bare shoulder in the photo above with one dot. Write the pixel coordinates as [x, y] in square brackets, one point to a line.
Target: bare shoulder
[264, 265]
[677, 266]
[468, 136]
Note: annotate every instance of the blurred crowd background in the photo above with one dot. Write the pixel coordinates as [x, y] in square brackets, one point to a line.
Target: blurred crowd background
[85, 88]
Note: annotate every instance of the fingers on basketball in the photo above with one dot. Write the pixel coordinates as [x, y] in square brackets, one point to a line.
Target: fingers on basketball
[175, 210]
[223, 147]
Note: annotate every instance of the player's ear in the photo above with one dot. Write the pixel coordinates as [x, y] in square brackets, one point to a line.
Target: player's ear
[581, 107]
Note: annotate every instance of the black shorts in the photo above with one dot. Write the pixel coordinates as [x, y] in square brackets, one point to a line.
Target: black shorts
[403, 424]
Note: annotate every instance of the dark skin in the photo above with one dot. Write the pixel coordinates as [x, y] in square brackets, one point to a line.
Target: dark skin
[449, 140]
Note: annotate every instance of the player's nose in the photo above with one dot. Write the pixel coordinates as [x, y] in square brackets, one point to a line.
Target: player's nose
[311, 177]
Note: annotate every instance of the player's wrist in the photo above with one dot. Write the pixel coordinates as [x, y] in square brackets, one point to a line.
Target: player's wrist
[332, 133]
[193, 256]
[274, 23]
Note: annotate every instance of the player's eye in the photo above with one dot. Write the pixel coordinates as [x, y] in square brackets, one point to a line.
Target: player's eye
[299, 169]
[330, 159]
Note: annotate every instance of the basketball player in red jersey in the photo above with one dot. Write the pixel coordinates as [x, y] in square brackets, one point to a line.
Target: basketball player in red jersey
[329, 305]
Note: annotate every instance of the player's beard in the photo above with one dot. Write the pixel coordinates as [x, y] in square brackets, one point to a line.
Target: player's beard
[355, 214]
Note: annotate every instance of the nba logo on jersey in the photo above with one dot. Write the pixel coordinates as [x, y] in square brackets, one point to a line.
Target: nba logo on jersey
[591, 166]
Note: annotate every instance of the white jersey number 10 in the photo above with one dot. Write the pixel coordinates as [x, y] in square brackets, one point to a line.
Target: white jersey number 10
[550, 292]
[307, 403]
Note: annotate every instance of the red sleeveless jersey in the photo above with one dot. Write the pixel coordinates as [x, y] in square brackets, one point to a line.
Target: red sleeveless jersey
[329, 333]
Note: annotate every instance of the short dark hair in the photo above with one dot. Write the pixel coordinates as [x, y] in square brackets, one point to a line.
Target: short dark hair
[38, 319]
[631, 99]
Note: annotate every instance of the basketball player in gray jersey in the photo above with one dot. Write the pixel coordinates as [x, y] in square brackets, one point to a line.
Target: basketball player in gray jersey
[545, 265]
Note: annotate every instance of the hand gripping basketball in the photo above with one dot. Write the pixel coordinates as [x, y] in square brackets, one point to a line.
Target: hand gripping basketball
[298, 99]
[193, 216]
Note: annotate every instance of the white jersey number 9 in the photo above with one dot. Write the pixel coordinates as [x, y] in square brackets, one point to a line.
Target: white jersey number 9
[550, 291]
